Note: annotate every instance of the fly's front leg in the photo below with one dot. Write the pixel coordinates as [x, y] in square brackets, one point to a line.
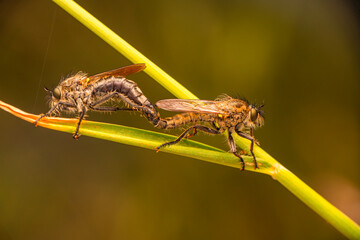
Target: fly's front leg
[232, 146]
[186, 132]
[252, 139]
[52, 110]
[252, 135]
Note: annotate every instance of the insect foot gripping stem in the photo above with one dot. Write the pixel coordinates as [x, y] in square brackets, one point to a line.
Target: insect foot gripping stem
[241, 160]
[37, 120]
[166, 144]
[76, 136]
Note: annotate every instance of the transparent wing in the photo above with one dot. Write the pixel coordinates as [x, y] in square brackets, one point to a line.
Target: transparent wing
[188, 105]
[120, 72]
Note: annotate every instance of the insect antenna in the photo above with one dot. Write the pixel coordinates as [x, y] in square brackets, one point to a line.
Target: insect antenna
[49, 94]
[48, 90]
[261, 112]
[262, 105]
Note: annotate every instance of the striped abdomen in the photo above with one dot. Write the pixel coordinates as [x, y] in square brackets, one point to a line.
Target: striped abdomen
[129, 91]
[183, 119]
[125, 87]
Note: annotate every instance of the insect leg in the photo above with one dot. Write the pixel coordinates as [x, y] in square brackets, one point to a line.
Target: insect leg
[104, 99]
[81, 110]
[53, 109]
[195, 130]
[233, 149]
[81, 117]
[252, 139]
[192, 134]
[110, 109]
[252, 134]
[215, 126]
[186, 132]
[107, 97]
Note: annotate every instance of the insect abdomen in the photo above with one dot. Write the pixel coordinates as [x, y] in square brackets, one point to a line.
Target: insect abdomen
[125, 87]
[182, 119]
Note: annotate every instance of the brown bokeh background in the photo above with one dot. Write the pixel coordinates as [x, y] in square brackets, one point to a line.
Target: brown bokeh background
[300, 56]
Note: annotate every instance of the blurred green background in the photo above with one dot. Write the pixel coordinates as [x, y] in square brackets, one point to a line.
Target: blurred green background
[301, 57]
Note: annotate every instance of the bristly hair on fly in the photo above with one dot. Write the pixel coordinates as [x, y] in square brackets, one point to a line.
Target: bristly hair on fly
[71, 74]
[223, 97]
[258, 107]
[241, 97]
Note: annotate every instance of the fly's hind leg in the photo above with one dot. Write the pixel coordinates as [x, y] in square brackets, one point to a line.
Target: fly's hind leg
[190, 135]
[252, 139]
[102, 100]
[186, 133]
[147, 112]
[116, 94]
[233, 149]
[195, 130]
[110, 109]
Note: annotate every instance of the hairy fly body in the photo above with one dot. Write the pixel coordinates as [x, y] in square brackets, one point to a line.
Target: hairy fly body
[226, 113]
[79, 93]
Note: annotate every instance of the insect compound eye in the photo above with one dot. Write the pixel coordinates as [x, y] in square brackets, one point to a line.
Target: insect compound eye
[57, 93]
[253, 114]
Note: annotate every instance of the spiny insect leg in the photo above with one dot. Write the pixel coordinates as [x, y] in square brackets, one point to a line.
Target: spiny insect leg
[104, 99]
[110, 95]
[192, 134]
[186, 132]
[233, 149]
[252, 139]
[52, 110]
[110, 109]
[81, 117]
[252, 135]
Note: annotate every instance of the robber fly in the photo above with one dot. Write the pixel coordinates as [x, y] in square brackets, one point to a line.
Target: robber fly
[225, 113]
[80, 93]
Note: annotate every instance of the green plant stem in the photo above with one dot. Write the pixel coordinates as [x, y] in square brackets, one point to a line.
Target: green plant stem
[312, 199]
[335, 217]
[307, 195]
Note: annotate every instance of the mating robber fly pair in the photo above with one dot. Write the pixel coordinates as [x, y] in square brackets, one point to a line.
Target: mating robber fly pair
[80, 93]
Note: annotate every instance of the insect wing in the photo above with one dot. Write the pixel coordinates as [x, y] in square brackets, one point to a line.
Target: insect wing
[120, 72]
[188, 105]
